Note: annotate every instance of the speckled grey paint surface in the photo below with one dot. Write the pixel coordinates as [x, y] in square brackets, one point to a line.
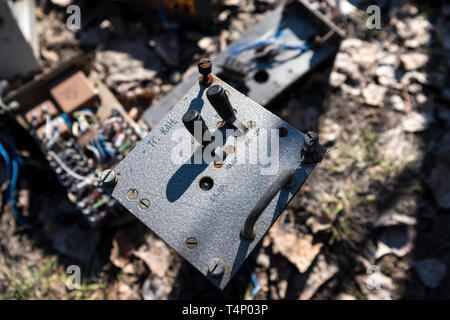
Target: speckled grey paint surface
[179, 209]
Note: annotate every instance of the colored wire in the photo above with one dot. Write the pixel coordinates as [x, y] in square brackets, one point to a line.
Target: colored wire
[67, 169]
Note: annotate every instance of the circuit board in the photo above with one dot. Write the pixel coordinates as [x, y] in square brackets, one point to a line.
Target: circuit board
[82, 130]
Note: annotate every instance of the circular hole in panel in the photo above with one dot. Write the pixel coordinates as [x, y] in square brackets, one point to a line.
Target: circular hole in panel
[261, 76]
[206, 183]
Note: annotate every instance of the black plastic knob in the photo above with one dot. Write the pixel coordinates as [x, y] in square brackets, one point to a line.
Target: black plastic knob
[220, 102]
[192, 119]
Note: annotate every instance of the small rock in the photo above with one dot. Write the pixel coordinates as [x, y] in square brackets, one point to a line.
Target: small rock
[411, 76]
[206, 43]
[431, 272]
[414, 122]
[345, 296]
[156, 255]
[396, 240]
[414, 60]
[392, 218]
[365, 55]
[386, 75]
[62, 3]
[329, 131]
[397, 103]
[298, 248]
[415, 88]
[263, 260]
[322, 271]
[337, 79]
[374, 94]
[345, 64]
[154, 288]
[356, 92]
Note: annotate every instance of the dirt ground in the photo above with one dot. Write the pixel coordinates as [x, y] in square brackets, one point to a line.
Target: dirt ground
[371, 222]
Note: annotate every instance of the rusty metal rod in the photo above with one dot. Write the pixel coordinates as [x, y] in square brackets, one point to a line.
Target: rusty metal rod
[285, 180]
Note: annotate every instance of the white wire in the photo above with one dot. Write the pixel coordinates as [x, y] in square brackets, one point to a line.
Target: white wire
[68, 170]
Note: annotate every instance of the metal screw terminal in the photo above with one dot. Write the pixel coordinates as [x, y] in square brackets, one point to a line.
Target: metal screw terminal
[218, 98]
[132, 194]
[196, 126]
[108, 178]
[205, 69]
[216, 267]
[144, 204]
[191, 243]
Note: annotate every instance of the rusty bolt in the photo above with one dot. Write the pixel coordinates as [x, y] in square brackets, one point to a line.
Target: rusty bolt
[216, 267]
[205, 69]
[108, 178]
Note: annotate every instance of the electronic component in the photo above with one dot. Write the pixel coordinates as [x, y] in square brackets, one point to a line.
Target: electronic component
[74, 93]
[38, 114]
[81, 131]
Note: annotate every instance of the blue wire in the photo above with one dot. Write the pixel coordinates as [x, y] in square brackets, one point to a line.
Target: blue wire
[100, 148]
[102, 143]
[256, 286]
[66, 119]
[7, 162]
[12, 175]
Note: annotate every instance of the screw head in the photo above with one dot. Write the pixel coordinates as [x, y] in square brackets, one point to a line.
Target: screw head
[251, 124]
[132, 194]
[144, 204]
[191, 243]
[108, 178]
[216, 267]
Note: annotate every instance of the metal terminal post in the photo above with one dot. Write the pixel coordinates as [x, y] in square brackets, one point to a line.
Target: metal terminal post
[205, 69]
[313, 151]
[285, 180]
[197, 127]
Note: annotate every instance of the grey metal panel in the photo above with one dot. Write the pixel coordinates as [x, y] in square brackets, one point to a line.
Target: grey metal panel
[302, 22]
[179, 209]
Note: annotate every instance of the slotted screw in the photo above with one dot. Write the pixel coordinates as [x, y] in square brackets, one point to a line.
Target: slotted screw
[108, 178]
[144, 204]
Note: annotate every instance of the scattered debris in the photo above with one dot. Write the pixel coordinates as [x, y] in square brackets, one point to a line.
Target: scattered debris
[392, 218]
[345, 296]
[397, 240]
[397, 103]
[414, 60]
[414, 122]
[322, 271]
[329, 131]
[374, 94]
[156, 255]
[154, 288]
[298, 248]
